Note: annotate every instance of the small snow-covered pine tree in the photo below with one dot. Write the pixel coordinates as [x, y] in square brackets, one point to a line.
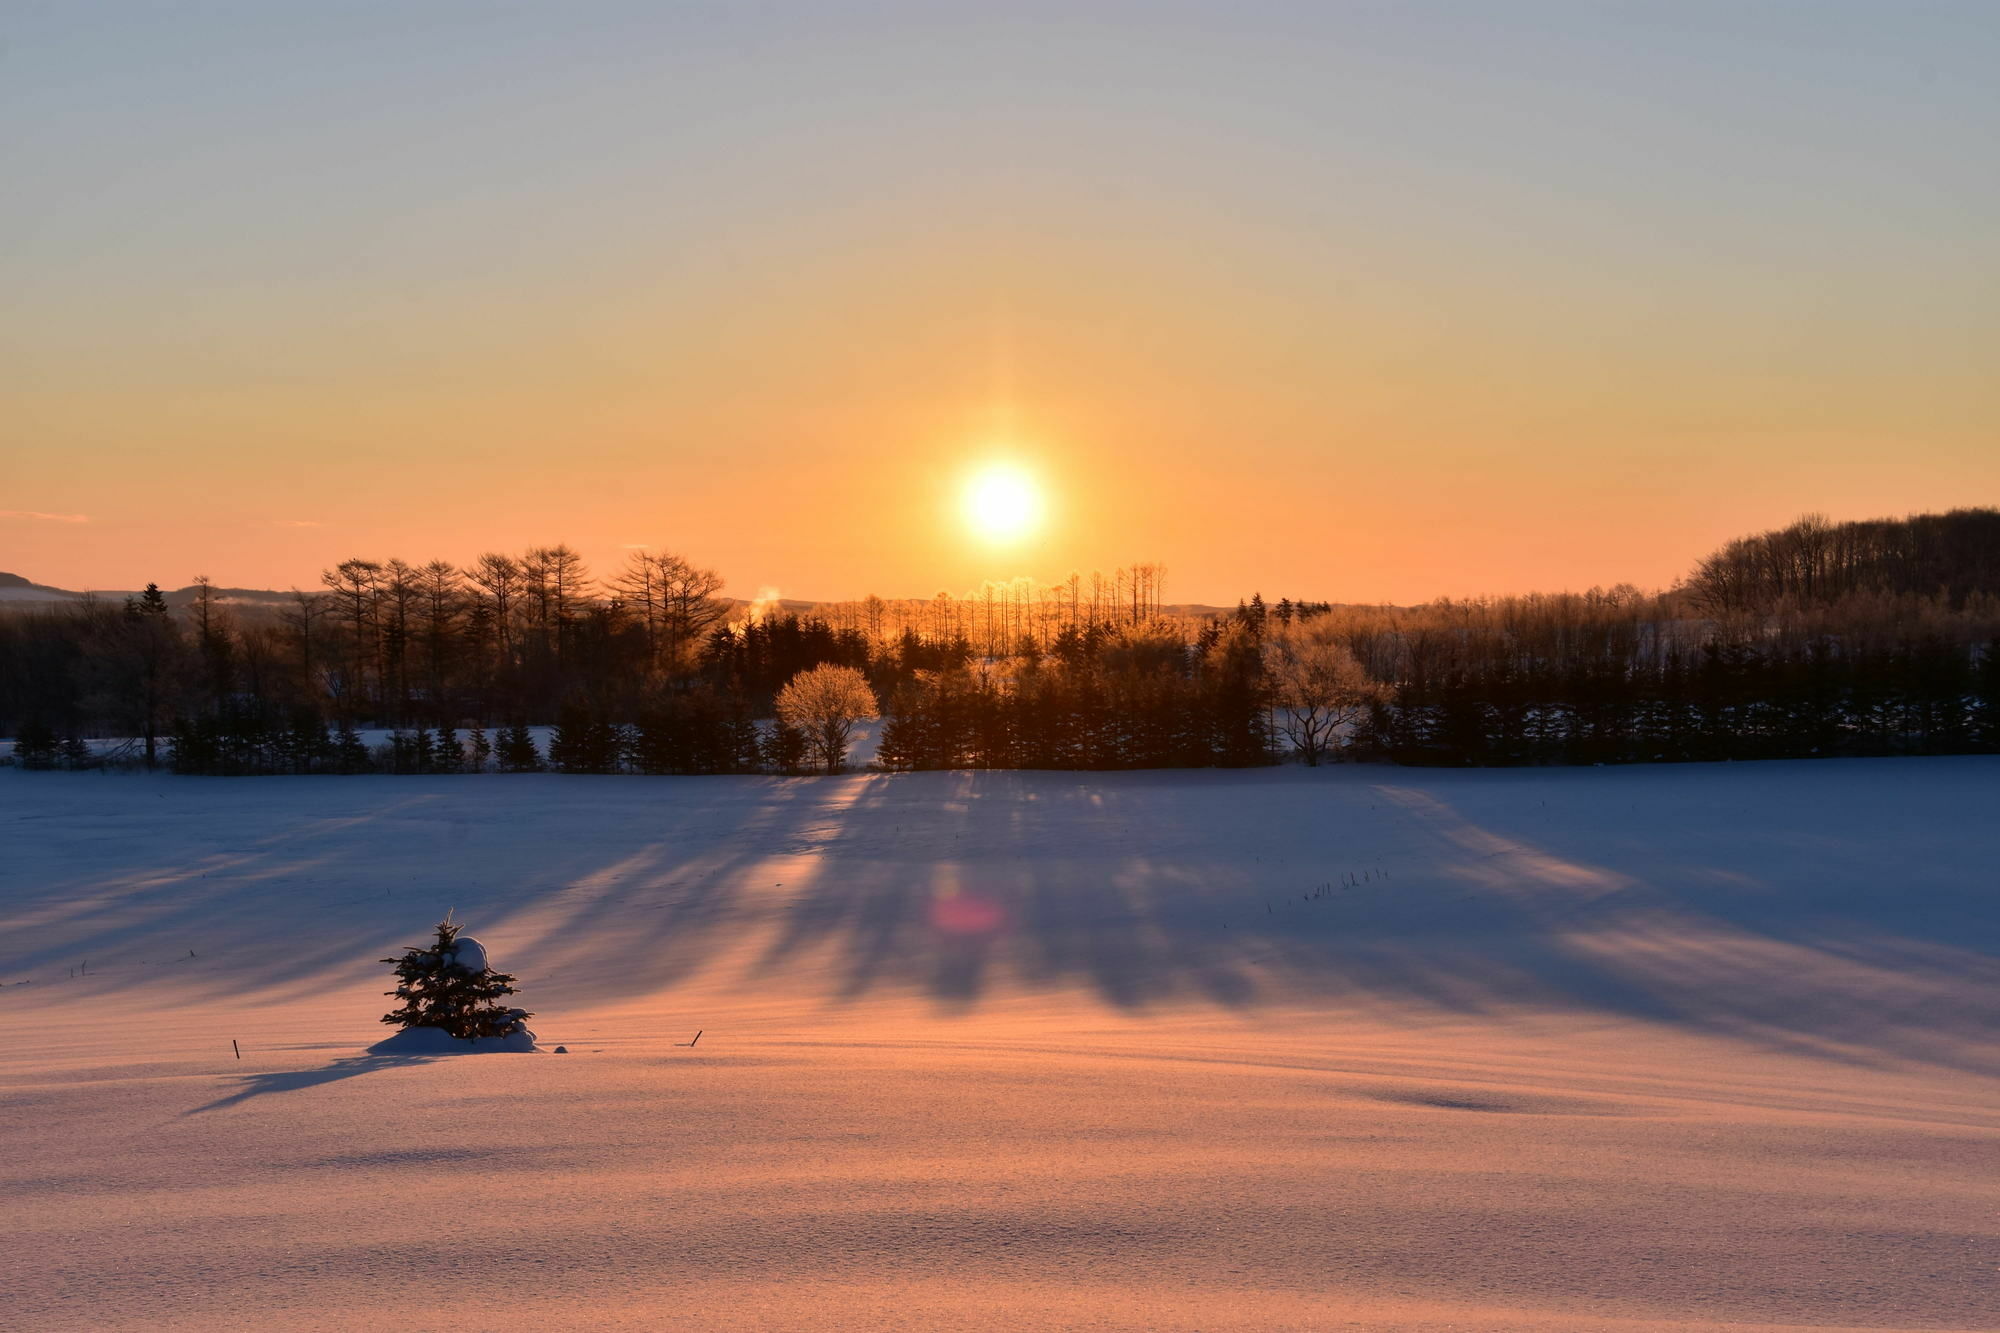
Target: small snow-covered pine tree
[449, 986]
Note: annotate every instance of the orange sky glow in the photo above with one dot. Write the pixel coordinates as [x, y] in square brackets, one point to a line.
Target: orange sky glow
[1442, 324]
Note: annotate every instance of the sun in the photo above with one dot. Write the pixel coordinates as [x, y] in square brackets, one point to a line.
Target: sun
[1002, 503]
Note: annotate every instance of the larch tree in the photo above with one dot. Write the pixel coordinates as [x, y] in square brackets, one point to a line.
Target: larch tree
[568, 582]
[305, 612]
[638, 586]
[356, 586]
[497, 579]
[440, 607]
[676, 602]
[402, 595]
[690, 604]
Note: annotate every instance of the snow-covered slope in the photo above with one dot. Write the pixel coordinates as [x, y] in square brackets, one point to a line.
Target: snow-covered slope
[1649, 1048]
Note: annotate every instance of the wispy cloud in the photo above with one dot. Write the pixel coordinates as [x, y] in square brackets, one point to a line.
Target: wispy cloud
[635, 546]
[45, 518]
[292, 523]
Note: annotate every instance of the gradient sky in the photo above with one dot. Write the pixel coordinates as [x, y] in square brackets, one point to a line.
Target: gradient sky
[1354, 301]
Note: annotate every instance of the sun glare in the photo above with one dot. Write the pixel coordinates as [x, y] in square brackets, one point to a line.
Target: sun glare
[1002, 504]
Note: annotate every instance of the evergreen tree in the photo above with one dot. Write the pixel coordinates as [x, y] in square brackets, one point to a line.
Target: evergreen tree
[447, 755]
[1986, 707]
[785, 747]
[449, 986]
[192, 746]
[303, 744]
[516, 751]
[584, 742]
[481, 750]
[35, 746]
[350, 755]
[900, 744]
[565, 743]
[75, 753]
[744, 746]
[660, 740]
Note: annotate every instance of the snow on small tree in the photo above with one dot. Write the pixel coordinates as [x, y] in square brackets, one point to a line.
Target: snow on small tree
[449, 986]
[825, 703]
[1317, 685]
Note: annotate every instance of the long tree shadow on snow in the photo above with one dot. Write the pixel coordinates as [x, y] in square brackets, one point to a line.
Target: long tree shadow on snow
[297, 1080]
[366, 872]
[1402, 893]
[1345, 890]
[404, 1048]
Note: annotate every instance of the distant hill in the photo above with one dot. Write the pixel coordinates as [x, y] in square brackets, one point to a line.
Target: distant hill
[14, 588]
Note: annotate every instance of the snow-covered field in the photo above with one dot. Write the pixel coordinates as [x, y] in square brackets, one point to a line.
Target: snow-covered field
[1611, 1049]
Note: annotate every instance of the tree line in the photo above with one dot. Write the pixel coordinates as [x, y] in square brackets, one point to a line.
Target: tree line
[1616, 680]
[1952, 557]
[1815, 639]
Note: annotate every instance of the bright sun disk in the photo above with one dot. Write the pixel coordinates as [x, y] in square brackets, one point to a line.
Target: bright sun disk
[1002, 503]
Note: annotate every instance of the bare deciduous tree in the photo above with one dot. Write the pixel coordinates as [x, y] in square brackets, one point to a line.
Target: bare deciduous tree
[441, 602]
[1318, 686]
[498, 580]
[357, 587]
[677, 603]
[307, 609]
[825, 703]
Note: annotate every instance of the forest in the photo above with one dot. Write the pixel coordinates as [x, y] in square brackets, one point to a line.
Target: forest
[1820, 638]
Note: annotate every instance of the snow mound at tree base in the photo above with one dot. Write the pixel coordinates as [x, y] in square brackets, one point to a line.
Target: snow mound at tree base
[436, 1041]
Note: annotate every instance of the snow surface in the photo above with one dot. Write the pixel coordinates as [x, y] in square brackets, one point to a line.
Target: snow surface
[1605, 1049]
